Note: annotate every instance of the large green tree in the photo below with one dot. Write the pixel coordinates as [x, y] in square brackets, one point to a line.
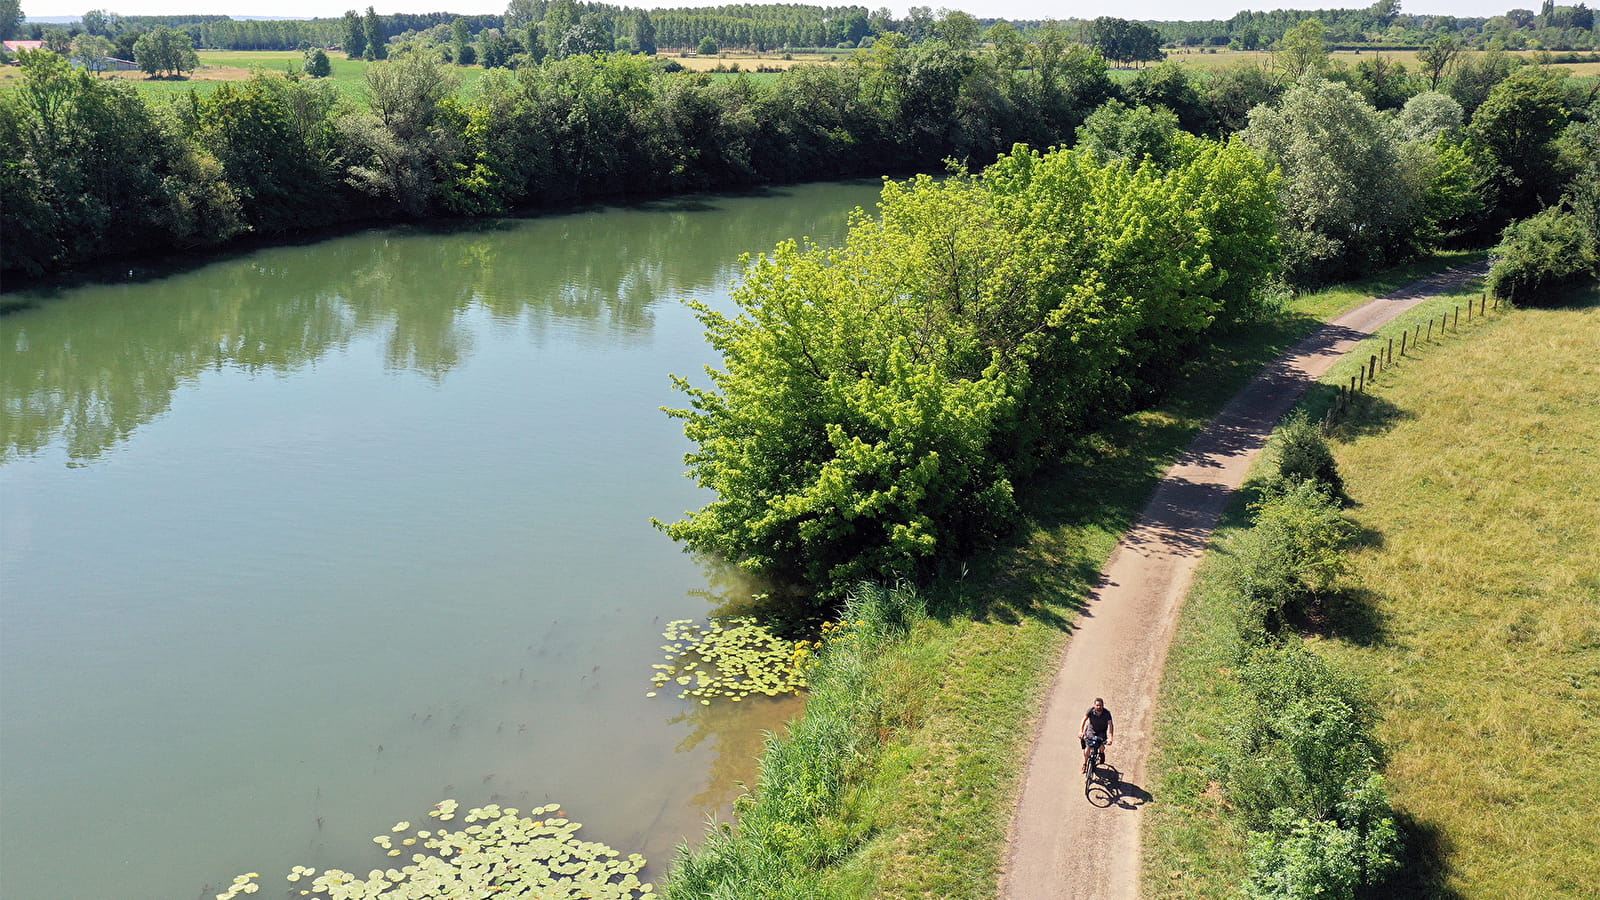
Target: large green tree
[877, 402]
[355, 35]
[1514, 133]
[1346, 203]
[163, 51]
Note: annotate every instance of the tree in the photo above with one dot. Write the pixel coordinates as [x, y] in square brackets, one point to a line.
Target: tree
[1122, 41]
[708, 46]
[355, 35]
[644, 34]
[876, 402]
[377, 43]
[1303, 49]
[92, 51]
[461, 51]
[97, 21]
[1437, 57]
[1346, 206]
[162, 50]
[1514, 131]
[495, 49]
[1114, 131]
[592, 34]
[317, 64]
[10, 18]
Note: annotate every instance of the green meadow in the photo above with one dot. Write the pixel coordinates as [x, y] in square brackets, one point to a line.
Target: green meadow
[1475, 598]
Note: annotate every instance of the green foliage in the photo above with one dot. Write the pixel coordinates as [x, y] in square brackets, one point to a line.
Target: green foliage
[1114, 131]
[1541, 253]
[1303, 454]
[1291, 558]
[1300, 742]
[1303, 49]
[355, 35]
[273, 139]
[317, 64]
[1320, 859]
[162, 51]
[1347, 204]
[1122, 41]
[1514, 131]
[708, 46]
[1300, 769]
[876, 402]
[499, 852]
[89, 170]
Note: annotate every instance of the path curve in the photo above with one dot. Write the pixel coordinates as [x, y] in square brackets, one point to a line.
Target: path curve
[1061, 845]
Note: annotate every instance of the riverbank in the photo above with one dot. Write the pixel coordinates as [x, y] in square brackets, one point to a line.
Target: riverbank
[930, 793]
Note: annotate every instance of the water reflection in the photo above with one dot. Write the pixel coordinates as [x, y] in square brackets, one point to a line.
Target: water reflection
[355, 527]
[88, 367]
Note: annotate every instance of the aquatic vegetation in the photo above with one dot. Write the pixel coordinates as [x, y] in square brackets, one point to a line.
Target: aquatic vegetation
[732, 658]
[737, 657]
[500, 852]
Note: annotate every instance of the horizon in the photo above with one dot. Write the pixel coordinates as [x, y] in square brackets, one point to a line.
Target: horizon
[1014, 10]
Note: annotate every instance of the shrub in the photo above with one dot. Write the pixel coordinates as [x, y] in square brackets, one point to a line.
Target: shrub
[1304, 455]
[317, 64]
[1541, 253]
[1301, 859]
[1290, 559]
[1301, 742]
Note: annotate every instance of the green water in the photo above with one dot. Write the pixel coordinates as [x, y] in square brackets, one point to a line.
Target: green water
[297, 544]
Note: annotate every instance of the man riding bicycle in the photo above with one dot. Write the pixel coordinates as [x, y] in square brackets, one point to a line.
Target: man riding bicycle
[1096, 730]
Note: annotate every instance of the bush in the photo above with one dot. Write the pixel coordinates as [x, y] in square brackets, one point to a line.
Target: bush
[317, 64]
[877, 401]
[1541, 253]
[1304, 455]
[1301, 742]
[1302, 859]
[1289, 560]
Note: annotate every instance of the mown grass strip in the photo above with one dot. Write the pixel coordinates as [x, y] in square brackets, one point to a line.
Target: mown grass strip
[928, 798]
[1471, 461]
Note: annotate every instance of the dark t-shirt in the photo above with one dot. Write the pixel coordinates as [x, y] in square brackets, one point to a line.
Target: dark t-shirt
[1099, 723]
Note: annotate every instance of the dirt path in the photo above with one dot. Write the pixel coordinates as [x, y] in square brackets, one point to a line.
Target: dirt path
[1063, 843]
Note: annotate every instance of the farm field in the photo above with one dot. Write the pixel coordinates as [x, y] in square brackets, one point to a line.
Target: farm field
[1226, 58]
[1474, 626]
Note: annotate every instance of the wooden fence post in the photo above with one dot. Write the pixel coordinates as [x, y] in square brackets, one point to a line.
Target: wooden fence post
[1372, 367]
[1389, 361]
[1403, 335]
[1458, 318]
[1430, 330]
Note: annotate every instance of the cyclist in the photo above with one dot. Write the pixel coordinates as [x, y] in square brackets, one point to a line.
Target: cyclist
[1097, 721]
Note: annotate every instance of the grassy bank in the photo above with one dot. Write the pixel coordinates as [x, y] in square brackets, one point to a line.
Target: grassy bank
[1472, 466]
[925, 796]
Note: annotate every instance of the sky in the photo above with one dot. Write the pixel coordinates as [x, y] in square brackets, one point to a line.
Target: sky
[1012, 9]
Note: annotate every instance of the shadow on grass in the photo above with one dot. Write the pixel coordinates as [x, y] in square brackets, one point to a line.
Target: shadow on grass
[1424, 868]
[1350, 615]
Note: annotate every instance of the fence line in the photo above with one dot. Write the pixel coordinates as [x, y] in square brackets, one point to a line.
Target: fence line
[1411, 339]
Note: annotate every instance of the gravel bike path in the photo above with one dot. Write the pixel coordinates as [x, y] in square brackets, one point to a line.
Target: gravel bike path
[1061, 844]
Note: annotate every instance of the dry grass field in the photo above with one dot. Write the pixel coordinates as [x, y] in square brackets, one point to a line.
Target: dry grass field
[1227, 58]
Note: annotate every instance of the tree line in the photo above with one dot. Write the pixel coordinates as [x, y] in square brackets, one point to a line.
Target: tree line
[89, 169]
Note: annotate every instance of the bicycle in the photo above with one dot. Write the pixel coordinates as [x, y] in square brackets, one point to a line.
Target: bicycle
[1097, 756]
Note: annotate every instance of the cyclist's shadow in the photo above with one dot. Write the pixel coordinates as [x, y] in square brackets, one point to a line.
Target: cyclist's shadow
[1107, 789]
